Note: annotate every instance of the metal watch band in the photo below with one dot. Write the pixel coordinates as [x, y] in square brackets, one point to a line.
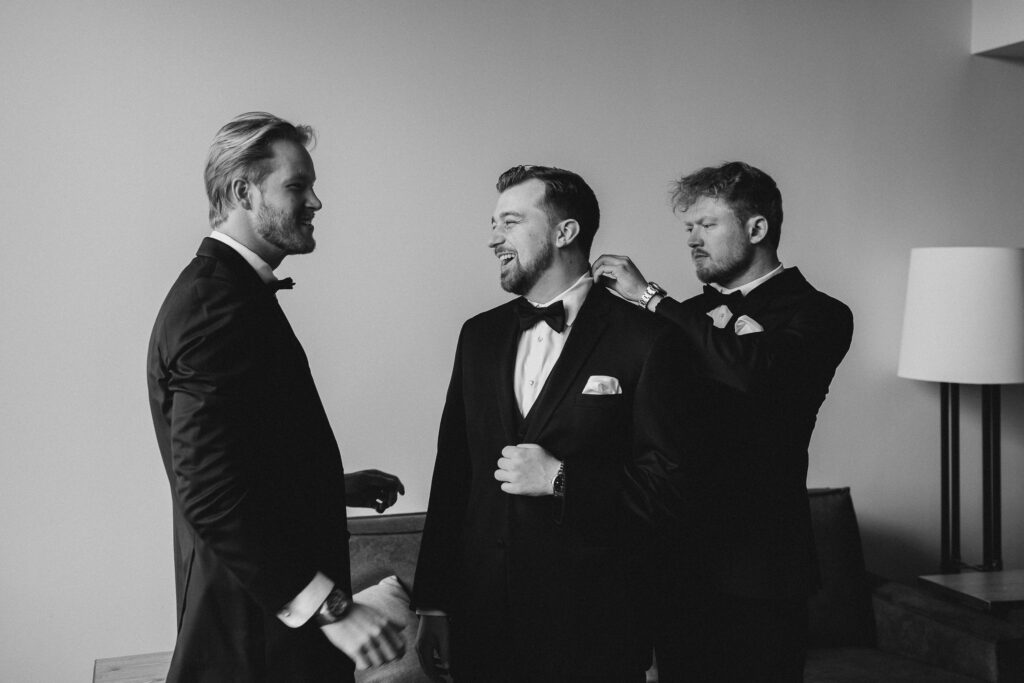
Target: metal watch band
[653, 288]
[558, 484]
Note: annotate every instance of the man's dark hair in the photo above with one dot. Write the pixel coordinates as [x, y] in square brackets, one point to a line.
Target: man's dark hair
[747, 190]
[566, 195]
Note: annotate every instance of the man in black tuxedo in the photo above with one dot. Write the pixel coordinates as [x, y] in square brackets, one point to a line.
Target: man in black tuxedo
[557, 446]
[258, 491]
[769, 344]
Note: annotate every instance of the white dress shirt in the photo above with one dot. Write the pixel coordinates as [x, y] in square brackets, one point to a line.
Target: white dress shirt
[540, 346]
[750, 286]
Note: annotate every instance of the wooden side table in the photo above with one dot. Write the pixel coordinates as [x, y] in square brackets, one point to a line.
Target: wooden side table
[999, 593]
[149, 668]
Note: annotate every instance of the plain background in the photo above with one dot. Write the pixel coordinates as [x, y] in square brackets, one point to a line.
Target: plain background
[882, 131]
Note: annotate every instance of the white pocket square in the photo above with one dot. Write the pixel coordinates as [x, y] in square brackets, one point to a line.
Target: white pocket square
[602, 385]
[720, 316]
[747, 325]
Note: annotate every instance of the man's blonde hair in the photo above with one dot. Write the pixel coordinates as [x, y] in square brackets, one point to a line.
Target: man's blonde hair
[240, 149]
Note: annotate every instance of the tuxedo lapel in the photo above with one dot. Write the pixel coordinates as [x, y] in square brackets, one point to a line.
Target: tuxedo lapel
[505, 343]
[587, 329]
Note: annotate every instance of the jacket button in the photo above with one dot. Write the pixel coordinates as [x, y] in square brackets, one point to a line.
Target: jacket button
[501, 542]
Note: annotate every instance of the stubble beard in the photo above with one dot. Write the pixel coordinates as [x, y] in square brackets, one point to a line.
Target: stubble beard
[725, 270]
[521, 279]
[283, 231]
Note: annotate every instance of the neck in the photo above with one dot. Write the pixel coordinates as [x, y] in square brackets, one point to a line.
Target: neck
[240, 228]
[555, 280]
[762, 264]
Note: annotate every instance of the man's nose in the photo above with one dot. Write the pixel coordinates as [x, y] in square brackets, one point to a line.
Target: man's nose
[694, 239]
[314, 201]
[496, 239]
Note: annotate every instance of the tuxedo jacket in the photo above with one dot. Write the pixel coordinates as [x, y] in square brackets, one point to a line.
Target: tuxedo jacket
[256, 479]
[763, 394]
[541, 588]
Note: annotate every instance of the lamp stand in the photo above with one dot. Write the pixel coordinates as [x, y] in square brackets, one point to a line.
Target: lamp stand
[992, 551]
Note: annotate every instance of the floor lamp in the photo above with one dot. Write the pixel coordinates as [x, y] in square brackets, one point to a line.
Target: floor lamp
[964, 324]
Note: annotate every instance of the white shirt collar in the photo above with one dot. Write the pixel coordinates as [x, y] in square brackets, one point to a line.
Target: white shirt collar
[261, 267]
[572, 298]
[750, 286]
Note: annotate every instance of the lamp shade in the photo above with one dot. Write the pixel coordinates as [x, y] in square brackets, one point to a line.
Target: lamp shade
[964, 316]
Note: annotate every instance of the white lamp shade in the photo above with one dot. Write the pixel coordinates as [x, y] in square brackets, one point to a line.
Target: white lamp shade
[964, 318]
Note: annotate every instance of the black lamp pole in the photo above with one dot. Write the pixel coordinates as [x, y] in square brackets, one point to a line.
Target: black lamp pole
[992, 551]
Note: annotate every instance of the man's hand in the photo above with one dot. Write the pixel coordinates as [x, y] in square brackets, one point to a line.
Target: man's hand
[432, 646]
[372, 489]
[526, 470]
[366, 636]
[621, 276]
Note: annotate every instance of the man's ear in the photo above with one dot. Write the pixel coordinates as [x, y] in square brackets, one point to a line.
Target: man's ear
[757, 229]
[566, 232]
[241, 195]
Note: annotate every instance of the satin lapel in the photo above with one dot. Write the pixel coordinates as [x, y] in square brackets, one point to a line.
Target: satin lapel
[505, 343]
[587, 329]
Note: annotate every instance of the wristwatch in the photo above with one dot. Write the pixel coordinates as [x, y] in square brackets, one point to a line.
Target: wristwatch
[334, 608]
[653, 289]
[558, 483]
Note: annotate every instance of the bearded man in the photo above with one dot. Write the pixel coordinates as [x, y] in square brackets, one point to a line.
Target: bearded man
[257, 486]
[767, 344]
[558, 442]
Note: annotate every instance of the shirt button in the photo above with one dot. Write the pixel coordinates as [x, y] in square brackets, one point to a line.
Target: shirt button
[532, 382]
[540, 338]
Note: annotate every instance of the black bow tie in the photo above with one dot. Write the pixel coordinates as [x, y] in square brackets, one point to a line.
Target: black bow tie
[530, 315]
[715, 298]
[286, 283]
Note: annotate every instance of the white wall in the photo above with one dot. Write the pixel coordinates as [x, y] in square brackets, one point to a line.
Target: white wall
[881, 130]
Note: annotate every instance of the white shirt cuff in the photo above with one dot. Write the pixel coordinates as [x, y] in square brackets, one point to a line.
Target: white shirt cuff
[430, 613]
[304, 606]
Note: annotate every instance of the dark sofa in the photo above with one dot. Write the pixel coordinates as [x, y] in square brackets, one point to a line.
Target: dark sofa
[863, 630]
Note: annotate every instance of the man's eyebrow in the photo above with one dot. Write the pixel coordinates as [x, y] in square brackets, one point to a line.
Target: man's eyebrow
[300, 175]
[506, 214]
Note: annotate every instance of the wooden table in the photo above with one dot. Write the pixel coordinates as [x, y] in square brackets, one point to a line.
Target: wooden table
[1001, 593]
[151, 668]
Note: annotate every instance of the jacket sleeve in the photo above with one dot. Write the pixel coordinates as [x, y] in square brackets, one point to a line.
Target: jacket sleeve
[665, 477]
[441, 545]
[788, 359]
[225, 492]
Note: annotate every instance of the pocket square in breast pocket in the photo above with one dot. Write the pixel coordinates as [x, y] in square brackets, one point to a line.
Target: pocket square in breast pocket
[747, 325]
[602, 385]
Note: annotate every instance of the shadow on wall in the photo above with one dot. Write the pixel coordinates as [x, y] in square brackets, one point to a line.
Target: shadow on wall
[882, 541]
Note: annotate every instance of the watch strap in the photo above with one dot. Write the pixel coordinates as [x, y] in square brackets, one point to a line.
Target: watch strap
[653, 289]
[334, 608]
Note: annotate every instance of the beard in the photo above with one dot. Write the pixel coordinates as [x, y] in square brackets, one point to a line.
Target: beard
[726, 268]
[284, 231]
[519, 278]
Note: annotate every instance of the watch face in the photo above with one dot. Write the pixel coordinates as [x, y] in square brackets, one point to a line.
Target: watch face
[337, 603]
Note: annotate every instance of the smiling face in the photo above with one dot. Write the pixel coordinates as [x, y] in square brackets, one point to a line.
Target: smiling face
[522, 237]
[284, 202]
[720, 244]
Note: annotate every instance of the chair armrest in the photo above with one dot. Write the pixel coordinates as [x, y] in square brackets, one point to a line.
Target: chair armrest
[925, 627]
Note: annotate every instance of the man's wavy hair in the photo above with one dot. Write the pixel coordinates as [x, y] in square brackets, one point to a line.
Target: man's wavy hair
[566, 195]
[240, 150]
[748, 191]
